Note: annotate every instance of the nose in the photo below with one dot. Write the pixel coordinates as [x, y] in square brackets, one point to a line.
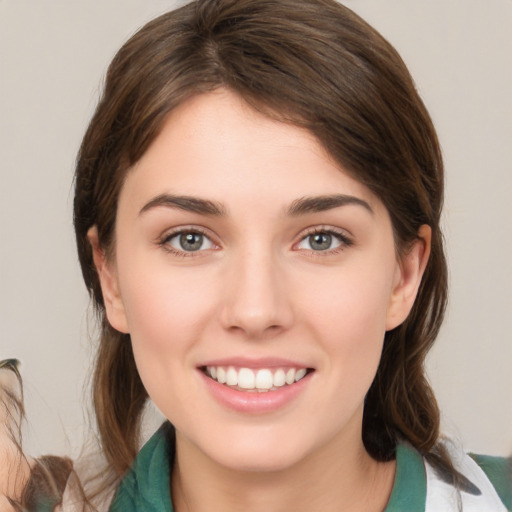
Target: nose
[256, 300]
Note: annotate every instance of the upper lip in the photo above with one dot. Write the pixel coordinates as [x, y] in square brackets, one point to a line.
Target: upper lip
[254, 363]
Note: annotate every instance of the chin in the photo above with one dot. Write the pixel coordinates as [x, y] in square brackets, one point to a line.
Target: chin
[261, 462]
[257, 452]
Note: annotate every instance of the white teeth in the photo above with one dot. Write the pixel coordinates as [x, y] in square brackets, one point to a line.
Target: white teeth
[299, 374]
[264, 379]
[221, 375]
[279, 378]
[290, 376]
[231, 377]
[247, 379]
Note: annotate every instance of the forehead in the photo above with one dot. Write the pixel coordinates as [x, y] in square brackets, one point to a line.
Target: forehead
[217, 146]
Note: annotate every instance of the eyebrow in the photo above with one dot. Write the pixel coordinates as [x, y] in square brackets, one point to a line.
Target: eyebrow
[298, 207]
[323, 203]
[187, 203]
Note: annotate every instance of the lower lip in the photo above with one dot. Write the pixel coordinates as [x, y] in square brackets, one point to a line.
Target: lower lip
[255, 402]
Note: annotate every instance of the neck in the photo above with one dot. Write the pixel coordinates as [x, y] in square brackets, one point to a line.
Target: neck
[335, 478]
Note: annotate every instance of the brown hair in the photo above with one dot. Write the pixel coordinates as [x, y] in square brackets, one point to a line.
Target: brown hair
[313, 63]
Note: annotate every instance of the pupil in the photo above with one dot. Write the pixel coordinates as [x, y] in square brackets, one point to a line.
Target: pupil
[191, 241]
[320, 241]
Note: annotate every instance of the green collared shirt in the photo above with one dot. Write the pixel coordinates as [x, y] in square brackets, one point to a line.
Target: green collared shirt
[146, 486]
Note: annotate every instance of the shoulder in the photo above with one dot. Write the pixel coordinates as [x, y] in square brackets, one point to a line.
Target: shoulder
[484, 484]
[146, 486]
[487, 486]
[499, 471]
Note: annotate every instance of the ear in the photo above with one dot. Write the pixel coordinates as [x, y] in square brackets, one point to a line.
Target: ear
[408, 277]
[114, 306]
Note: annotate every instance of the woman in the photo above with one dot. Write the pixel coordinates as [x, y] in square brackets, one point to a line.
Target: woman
[257, 213]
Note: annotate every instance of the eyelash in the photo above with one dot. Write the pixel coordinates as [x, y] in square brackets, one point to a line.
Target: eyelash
[164, 241]
[339, 235]
[344, 240]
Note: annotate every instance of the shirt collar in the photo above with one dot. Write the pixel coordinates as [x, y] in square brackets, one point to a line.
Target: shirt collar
[147, 485]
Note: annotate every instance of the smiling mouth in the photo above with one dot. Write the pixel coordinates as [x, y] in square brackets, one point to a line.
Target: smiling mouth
[255, 380]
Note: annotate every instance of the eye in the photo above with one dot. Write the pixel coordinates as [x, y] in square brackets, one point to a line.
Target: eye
[188, 241]
[324, 241]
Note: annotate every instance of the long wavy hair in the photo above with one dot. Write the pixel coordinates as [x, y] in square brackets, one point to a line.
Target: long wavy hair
[311, 63]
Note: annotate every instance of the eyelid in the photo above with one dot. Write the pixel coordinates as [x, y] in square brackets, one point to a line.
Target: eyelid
[342, 235]
[166, 236]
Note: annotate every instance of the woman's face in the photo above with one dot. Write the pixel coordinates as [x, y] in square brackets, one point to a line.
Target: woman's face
[256, 280]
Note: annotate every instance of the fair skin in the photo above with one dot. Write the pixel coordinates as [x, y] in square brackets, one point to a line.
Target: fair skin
[241, 247]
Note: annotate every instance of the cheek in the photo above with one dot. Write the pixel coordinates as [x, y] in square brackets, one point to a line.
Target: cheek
[346, 312]
[165, 307]
[167, 312]
[163, 299]
[350, 303]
